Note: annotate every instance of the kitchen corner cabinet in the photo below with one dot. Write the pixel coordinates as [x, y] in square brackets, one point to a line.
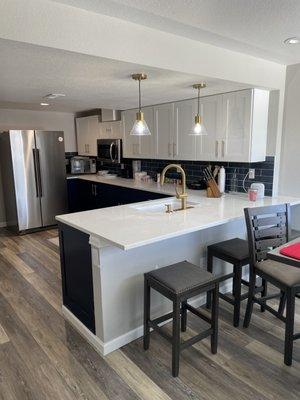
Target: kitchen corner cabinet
[88, 131]
[245, 122]
[236, 123]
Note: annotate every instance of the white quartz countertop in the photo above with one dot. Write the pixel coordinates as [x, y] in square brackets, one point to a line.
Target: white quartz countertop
[132, 184]
[133, 225]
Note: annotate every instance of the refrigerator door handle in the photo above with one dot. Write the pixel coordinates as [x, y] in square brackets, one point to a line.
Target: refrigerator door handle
[39, 176]
[35, 173]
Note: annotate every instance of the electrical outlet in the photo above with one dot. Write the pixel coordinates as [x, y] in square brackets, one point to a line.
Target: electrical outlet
[251, 173]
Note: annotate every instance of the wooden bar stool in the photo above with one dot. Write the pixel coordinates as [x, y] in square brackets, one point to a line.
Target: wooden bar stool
[179, 282]
[236, 252]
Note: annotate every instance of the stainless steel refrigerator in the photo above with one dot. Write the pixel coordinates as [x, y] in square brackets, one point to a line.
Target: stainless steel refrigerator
[34, 177]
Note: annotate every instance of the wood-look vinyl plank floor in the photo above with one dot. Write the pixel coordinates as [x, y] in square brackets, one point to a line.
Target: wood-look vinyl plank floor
[43, 357]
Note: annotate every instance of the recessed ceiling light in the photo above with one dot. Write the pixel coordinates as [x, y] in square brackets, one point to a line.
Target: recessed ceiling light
[54, 95]
[292, 40]
[44, 104]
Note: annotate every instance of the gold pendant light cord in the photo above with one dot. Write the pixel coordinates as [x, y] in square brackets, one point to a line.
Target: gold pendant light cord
[140, 102]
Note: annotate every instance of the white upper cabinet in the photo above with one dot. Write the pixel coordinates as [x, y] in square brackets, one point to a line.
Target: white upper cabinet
[244, 126]
[164, 131]
[138, 146]
[88, 131]
[147, 143]
[207, 147]
[235, 138]
[236, 124]
[131, 143]
[184, 144]
[111, 130]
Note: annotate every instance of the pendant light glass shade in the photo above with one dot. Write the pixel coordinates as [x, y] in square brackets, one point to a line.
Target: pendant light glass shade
[140, 127]
[198, 128]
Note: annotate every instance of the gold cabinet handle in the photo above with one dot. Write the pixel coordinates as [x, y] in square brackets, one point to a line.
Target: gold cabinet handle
[174, 149]
[169, 149]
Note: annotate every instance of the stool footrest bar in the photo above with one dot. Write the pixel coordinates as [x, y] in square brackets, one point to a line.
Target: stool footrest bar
[270, 309]
[160, 331]
[198, 313]
[196, 338]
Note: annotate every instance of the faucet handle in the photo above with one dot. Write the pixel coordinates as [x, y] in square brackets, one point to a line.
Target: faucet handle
[169, 208]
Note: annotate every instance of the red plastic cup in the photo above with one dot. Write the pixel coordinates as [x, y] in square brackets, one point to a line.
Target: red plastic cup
[252, 194]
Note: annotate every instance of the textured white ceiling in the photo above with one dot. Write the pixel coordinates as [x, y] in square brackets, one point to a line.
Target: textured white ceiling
[29, 72]
[256, 27]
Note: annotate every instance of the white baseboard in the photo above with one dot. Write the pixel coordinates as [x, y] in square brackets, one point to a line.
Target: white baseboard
[114, 344]
[3, 224]
[83, 330]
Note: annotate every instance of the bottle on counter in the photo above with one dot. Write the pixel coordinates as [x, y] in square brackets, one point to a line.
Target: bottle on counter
[221, 180]
[234, 183]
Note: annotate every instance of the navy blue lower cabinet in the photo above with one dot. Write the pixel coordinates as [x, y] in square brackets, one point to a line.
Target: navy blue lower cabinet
[86, 195]
[77, 274]
[81, 195]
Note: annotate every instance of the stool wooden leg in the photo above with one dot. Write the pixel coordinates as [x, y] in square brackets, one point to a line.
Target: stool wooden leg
[237, 283]
[289, 327]
[214, 319]
[183, 316]
[264, 293]
[251, 293]
[209, 269]
[282, 302]
[146, 314]
[176, 338]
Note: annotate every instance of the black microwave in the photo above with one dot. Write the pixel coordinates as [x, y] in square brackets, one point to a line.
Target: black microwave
[109, 150]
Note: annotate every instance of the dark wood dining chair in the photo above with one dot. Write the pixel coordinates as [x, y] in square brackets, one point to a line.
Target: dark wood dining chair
[267, 228]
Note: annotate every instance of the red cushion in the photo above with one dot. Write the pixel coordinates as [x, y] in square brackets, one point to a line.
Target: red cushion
[293, 251]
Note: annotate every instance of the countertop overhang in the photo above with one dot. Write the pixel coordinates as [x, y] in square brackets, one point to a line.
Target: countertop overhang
[128, 227]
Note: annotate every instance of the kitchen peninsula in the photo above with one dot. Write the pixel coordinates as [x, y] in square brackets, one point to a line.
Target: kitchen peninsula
[105, 252]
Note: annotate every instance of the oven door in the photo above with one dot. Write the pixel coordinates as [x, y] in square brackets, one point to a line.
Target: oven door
[109, 150]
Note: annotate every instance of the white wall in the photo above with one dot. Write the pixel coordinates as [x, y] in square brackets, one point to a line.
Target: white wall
[24, 119]
[289, 182]
[272, 122]
[46, 120]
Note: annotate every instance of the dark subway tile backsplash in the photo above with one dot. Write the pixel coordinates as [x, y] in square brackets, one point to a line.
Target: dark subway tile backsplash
[263, 171]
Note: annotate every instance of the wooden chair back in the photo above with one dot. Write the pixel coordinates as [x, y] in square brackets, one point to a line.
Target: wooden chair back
[267, 228]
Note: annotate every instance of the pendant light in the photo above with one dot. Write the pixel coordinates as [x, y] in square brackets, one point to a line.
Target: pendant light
[198, 127]
[140, 127]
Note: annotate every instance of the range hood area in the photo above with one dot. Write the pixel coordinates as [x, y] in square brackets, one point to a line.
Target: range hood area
[104, 114]
[107, 115]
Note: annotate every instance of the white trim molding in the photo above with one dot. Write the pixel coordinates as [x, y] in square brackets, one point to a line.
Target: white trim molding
[114, 344]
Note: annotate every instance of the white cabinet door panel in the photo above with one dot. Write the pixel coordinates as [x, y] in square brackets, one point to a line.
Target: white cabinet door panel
[208, 147]
[184, 144]
[147, 148]
[93, 135]
[87, 134]
[82, 127]
[164, 130]
[236, 136]
[131, 144]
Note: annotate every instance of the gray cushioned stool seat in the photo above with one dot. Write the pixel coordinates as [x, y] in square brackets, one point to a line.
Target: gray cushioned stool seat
[182, 276]
[284, 273]
[236, 248]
